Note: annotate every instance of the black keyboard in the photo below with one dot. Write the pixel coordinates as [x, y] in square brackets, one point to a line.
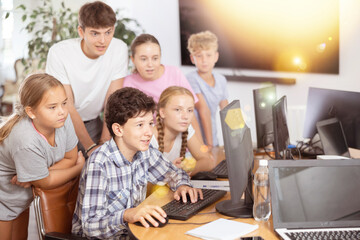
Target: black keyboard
[221, 170]
[183, 211]
[352, 234]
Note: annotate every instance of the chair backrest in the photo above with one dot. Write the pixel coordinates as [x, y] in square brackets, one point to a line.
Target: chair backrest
[54, 208]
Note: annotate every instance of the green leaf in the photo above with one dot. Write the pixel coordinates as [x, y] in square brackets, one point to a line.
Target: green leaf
[22, 6]
[23, 18]
[7, 15]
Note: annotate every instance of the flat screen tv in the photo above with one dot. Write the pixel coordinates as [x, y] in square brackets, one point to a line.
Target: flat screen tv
[276, 35]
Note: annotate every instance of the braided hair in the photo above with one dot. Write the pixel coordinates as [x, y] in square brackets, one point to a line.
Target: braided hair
[164, 99]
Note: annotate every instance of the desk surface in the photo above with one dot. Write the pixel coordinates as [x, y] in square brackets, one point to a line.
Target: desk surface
[176, 229]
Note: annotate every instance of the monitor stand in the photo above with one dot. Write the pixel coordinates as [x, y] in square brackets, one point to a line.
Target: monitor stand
[240, 210]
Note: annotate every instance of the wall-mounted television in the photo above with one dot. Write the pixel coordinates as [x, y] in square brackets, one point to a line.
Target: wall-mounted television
[276, 35]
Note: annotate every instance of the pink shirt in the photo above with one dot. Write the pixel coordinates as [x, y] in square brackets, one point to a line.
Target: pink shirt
[172, 76]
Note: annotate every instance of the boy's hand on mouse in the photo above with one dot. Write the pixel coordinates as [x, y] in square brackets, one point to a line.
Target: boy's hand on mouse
[143, 213]
[194, 193]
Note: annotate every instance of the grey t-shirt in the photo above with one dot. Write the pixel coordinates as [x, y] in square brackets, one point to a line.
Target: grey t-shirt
[28, 155]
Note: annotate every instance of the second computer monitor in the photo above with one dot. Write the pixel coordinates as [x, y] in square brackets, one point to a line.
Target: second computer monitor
[332, 137]
[239, 157]
[329, 103]
[264, 98]
[281, 131]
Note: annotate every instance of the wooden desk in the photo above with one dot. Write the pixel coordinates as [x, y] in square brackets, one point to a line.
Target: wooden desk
[176, 229]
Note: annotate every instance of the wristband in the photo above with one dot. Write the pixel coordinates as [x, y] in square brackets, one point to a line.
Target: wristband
[89, 148]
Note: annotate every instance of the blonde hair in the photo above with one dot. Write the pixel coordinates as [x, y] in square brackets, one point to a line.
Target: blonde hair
[31, 92]
[164, 99]
[202, 41]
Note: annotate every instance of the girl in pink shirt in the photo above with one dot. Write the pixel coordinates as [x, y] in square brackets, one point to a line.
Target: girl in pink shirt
[150, 76]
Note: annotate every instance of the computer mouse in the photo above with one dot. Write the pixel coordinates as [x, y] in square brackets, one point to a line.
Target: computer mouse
[204, 176]
[150, 224]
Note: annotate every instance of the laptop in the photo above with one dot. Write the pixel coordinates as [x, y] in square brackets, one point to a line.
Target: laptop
[332, 137]
[313, 197]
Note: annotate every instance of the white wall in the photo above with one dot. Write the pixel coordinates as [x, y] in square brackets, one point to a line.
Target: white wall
[161, 18]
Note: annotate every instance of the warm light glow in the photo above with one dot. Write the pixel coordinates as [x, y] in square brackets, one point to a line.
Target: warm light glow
[297, 61]
[204, 148]
[274, 25]
[321, 47]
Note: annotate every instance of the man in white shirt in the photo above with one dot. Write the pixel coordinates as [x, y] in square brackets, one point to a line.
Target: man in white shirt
[91, 68]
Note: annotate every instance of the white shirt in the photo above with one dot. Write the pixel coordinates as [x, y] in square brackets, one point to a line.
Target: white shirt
[175, 150]
[89, 78]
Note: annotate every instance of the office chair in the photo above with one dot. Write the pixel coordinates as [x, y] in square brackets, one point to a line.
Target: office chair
[54, 210]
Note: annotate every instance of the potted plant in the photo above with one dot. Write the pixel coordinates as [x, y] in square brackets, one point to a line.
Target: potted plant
[49, 26]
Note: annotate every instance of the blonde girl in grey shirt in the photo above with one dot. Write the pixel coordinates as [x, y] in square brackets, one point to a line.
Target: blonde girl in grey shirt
[38, 147]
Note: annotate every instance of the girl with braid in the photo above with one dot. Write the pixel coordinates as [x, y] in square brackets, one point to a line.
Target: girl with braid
[174, 133]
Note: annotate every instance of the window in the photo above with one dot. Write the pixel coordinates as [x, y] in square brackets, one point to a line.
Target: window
[6, 31]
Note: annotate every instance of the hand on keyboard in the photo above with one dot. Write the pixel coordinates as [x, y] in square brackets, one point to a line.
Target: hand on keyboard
[183, 211]
[183, 190]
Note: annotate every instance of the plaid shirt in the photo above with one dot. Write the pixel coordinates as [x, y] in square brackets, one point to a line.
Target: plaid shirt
[110, 184]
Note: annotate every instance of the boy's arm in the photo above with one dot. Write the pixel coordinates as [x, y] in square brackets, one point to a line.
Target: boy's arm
[163, 170]
[114, 85]
[205, 118]
[223, 103]
[100, 219]
[78, 123]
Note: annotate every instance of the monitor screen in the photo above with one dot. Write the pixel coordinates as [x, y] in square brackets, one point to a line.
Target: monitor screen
[332, 137]
[276, 35]
[316, 193]
[239, 157]
[323, 104]
[264, 98]
[281, 132]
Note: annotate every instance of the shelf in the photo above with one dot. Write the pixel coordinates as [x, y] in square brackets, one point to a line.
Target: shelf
[253, 79]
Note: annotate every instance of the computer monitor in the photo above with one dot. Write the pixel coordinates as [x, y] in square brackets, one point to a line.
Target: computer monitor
[239, 157]
[264, 98]
[332, 137]
[327, 103]
[315, 193]
[281, 131]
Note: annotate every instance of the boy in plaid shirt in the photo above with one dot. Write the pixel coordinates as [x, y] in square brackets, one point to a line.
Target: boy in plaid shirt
[114, 179]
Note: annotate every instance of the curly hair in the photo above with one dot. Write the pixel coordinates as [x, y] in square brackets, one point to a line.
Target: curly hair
[126, 103]
[202, 41]
[164, 99]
